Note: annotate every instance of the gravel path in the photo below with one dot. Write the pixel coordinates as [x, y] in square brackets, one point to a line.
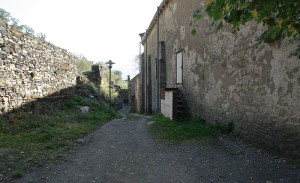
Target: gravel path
[123, 151]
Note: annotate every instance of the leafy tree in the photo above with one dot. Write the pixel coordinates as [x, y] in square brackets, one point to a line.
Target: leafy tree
[136, 62]
[15, 23]
[4, 15]
[116, 75]
[281, 17]
[83, 63]
[116, 79]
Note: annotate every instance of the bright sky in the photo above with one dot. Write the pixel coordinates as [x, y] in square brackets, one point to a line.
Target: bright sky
[101, 30]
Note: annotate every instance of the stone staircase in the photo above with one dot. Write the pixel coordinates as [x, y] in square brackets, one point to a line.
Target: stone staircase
[181, 109]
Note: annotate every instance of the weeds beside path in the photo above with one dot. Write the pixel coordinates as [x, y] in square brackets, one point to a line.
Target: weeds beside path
[46, 129]
[123, 151]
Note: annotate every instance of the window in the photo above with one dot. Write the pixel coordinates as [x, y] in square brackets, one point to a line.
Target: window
[179, 67]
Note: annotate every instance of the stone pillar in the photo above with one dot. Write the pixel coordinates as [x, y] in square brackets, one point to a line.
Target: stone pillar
[95, 76]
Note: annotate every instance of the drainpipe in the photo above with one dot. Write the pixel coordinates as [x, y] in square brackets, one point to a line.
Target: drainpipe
[142, 81]
[158, 63]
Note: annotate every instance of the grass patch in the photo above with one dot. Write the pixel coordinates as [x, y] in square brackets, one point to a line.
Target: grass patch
[130, 116]
[296, 162]
[16, 175]
[28, 138]
[192, 128]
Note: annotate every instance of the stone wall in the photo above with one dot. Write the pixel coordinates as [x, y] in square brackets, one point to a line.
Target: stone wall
[31, 68]
[95, 75]
[226, 78]
[134, 93]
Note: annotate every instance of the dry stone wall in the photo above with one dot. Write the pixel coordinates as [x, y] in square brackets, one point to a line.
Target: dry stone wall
[31, 68]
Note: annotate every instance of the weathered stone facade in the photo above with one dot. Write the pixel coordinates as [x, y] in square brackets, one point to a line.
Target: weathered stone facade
[226, 78]
[134, 94]
[95, 75]
[31, 68]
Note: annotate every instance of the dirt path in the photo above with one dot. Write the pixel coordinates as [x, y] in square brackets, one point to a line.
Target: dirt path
[123, 151]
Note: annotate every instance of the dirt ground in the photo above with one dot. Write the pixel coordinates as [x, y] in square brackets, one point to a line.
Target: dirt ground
[123, 151]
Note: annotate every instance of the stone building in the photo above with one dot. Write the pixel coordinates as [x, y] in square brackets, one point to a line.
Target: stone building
[134, 94]
[223, 77]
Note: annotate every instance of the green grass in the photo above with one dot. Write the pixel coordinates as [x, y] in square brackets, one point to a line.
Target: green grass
[192, 128]
[296, 162]
[28, 139]
[130, 116]
[16, 175]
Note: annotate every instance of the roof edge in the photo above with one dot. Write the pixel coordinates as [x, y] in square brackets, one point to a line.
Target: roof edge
[162, 7]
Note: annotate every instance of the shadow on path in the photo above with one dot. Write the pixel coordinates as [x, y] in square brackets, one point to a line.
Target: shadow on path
[123, 151]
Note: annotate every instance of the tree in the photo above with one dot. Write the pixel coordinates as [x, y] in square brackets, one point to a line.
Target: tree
[83, 63]
[117, 76]
[4, 15]
[104, 66]
[27, 30]
[15, 22]
[281, 17]
[116, 79]
[136, 62]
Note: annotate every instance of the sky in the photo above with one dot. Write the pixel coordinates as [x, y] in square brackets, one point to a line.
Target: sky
[101, 30]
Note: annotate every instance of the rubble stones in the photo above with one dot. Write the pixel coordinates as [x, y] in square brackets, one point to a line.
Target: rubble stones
[31, 68]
